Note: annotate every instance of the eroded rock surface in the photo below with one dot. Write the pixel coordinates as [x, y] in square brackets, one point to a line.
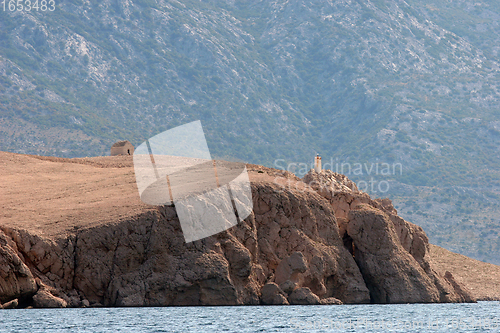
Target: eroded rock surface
[44, 299]
[272, 294]
[303, 296]
[16, 280]
[392, 254]
[390, 272]
[291, 250]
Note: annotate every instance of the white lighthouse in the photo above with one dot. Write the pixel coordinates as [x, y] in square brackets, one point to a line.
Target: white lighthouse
[317, 163]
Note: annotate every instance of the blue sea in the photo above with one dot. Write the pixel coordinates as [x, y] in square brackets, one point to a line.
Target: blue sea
[480, 317]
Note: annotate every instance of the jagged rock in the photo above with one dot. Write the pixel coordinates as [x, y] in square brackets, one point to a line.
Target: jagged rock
[74, 302]
[11, 305]
[239, 257]
[303, 296]
[340, 191]
[292, 240]
[330, 301]
[54, 258]
[412, 238]
[328, 183]
[145, 262]
[291, 226]
[44, 299]
[297, 262]
[16, 280]
[390, 272]
[73, 299]
[459, 289]
[290, 268]
[288, 286]
[273, 295]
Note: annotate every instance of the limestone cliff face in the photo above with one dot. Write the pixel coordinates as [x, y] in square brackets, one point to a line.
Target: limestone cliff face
[391, 253]
[16, 280]
[290, 250]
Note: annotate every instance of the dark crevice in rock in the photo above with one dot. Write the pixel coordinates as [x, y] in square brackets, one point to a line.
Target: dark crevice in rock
[75, 260]
[106, 298]
[349, 244]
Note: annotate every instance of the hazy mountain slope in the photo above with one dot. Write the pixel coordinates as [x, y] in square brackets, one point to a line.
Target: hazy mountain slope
[142, 69]
[412, 83]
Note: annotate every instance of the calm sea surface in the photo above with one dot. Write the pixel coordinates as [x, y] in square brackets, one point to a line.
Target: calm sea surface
[480, 317]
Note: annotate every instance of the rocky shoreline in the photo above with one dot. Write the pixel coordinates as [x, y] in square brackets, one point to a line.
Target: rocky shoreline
[316, 240]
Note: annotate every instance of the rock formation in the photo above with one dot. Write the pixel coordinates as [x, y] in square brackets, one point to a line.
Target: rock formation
[326, 243]
[391, 253]
[16, 280]
[271, 294]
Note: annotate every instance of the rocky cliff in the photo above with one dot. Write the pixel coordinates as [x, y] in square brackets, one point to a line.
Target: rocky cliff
[316, 240]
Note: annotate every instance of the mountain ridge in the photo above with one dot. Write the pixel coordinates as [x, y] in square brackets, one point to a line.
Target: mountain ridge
[409, 82]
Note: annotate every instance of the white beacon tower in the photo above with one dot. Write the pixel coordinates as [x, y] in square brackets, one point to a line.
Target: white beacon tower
[317, 163]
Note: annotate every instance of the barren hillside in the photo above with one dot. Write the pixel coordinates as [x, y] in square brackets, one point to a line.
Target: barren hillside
[482, 279]
[74, 232]
[52, 196]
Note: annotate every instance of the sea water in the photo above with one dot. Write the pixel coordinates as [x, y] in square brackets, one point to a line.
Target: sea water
[478, 317]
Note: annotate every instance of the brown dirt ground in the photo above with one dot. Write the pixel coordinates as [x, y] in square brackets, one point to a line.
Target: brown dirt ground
[482, 279]
[52, 197]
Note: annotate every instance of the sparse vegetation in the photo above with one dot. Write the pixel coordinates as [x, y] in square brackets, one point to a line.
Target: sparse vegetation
[269, 85]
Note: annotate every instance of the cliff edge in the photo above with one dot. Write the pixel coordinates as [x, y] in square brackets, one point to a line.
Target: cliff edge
[74, 233]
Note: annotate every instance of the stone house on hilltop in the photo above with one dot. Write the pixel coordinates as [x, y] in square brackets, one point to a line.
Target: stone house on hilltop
[122, 148]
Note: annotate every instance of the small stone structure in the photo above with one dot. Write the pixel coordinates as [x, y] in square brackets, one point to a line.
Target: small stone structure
[317, 163]
[122, 148]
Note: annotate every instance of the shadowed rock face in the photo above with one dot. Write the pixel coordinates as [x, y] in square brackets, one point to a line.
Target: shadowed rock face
[290, 250]
[391, 274]
[16, 280]
[391, 253]
[145, 262]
